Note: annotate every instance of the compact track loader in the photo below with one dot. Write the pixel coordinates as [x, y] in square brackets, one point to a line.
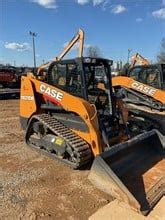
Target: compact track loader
[150, 74]
[70, 118]
[143, 91]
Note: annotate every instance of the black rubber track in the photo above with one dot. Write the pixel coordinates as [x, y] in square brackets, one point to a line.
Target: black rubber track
[80, 147]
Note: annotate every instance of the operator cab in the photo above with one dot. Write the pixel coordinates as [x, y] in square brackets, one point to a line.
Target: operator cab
[88, 78]
[152, 75]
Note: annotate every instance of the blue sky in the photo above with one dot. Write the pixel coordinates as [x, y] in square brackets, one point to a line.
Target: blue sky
[112, 25]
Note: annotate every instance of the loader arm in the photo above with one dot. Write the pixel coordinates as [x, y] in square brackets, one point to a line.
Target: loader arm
[78, 37]
[32, 88]
[127, 82]
[138, 58]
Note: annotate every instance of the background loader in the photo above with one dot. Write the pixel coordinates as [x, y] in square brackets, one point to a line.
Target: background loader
[143, 71]
[70, 118]
[143, 91]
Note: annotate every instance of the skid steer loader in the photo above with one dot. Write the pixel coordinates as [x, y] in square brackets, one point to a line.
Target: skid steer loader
[69, 118]
[143, 91]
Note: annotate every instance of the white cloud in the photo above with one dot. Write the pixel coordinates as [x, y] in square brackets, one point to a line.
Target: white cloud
[139, 19]
[46, 3]
[98, 2]
[95, 2]
[17, 46]
[159, 13]
[118, 9]
[82, 2]
[105, 4]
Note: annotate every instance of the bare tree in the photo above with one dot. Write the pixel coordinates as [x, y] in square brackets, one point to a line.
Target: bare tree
[161, 55]
[93, 51]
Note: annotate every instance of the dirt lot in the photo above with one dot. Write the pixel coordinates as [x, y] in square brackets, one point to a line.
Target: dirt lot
[33, 186]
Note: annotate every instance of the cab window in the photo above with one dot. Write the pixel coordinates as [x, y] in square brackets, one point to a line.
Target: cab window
[57, 76]
[138, 74]
[74, 81]
[147, 75]
[66, 77]
[153, 77]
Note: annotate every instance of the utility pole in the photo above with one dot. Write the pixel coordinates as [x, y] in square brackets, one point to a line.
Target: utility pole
[34, 55]
[129, 51]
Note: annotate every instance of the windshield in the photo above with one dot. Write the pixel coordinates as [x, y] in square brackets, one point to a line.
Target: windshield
[149, 75]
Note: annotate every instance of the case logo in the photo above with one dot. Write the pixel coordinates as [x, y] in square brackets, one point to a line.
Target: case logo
[51, 92]
[142, 88]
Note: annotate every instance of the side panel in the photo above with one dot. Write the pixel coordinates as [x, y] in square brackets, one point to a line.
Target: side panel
[27, 98]
[71, 103]
[30, 87]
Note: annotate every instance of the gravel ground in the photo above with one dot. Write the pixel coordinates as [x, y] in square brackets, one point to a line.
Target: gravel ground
[33, 186]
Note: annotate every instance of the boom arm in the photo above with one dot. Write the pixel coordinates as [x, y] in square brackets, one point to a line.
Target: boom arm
[138, 58]
[78, 37]
[129, 83]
